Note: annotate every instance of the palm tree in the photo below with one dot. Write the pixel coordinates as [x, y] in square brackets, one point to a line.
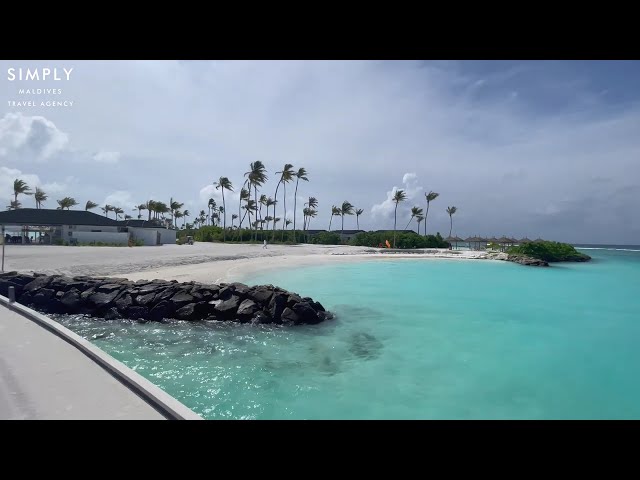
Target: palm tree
[140, 208]
[14, 205]
[173, 206]
[256, 176]
[211, 205]
[40, 197]
[90, 205]
[233, 217]
[20, 187]
[106, 209]
[150, 206]
[223, 184]
[244, 196]
[451, 211]
[430, 197]
[312, 204]
[118, 211]
[286, 175]
[345, 209]
[127, 217]
[415, 212]
[419, 218]
[335, 212]
[185, 214]
[301, 174]
[398, 197]
[358, 213]
[178, 215]
[66, 202]
[262, 201]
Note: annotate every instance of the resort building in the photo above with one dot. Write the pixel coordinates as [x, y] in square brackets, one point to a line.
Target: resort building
[69, 227]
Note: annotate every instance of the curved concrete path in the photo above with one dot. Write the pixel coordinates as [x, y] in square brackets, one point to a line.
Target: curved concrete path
[42, 376]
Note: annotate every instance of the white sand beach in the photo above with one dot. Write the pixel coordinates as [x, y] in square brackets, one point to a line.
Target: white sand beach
[202, 262]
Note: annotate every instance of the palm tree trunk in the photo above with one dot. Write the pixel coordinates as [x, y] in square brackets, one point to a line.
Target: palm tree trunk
[342, 227]
[451, 228]
[275, 200]
[358, 222]
[224, 221]
[408, 222]
[330, 220]
[284, 217]
[425, 220]
[395, 217]
[295, 204]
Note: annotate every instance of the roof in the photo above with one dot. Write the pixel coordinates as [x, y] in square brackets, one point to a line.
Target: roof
[141, 223]
[349, 232]
[45, 216]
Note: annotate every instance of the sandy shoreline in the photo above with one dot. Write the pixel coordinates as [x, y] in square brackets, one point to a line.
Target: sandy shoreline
[202, 262]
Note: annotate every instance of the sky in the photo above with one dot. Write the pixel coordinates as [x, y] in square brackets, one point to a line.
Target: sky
[545, 149]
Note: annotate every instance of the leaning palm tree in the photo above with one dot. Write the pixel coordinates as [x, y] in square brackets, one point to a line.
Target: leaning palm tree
[211, 205]
[89, 205]
[419, 218]
[40, 197]
[223, 184]
[345, 209]
[335, 212]
[451, 211]
[118, 211]
[415, 212]
[106, 209]
[398, 197]
[359, 212]
[256, 177]
[312, 204]
[140, 208]
[301, 174]
[286, 175]
[67, 202]
[20, 187]
[244, 196]
[431, 196]
[14, 205]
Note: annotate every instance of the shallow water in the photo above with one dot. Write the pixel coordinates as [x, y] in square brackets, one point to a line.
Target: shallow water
[441, 339]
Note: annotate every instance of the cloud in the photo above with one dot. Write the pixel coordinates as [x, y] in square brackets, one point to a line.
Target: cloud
[412, 190]
[122, 199]
[356, 126]
[30, 137]
[107, 157]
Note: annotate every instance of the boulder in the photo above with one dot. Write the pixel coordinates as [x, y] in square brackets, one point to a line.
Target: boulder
[289, 316]
[247, 308]
[277, 305]
[227, 308]
[71, 301]
[161, 311]
[306, 314]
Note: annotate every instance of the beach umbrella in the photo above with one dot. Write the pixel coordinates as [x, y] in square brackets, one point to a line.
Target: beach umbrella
[524, 240]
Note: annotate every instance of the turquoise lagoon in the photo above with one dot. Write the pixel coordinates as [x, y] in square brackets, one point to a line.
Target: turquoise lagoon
[412, 339]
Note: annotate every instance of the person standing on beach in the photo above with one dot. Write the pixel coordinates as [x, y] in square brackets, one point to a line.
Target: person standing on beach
[264, 245]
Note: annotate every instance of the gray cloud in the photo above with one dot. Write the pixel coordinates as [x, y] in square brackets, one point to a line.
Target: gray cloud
[357, 127]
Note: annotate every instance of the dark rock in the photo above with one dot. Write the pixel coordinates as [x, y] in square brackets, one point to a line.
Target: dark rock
[4, 288]
[137, 313]
[225, 293]
[317, 306]
[289, 316]
[240, 288]
[71, 300]
[227, 308]
[247, 308]
[187, 312]
[86, 294]
[166, 294]
[145, 300]
[112, 314]
[261, 317]
[293, 299]
[124, 302]
[161, 311]
[528, 261]
[260, 295]
[277, 305]
[306, 313]
[181, 298]
[101, 300]
[109, 287]
[37, 284]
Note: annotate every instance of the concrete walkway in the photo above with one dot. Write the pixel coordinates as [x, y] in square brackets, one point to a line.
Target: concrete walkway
[44, 377]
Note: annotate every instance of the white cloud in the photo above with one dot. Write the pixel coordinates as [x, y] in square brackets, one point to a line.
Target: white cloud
[30, 137]
[122, 199]
[107, 157]
[412, 190]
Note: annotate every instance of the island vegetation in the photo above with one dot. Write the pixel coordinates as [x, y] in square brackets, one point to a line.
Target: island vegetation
[549, 252]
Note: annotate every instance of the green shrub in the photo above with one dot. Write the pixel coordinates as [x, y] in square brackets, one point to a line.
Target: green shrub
[325, 238]
[549, 251]
[403, 240]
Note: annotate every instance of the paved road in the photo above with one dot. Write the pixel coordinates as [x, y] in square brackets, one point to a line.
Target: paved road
[43, 377]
